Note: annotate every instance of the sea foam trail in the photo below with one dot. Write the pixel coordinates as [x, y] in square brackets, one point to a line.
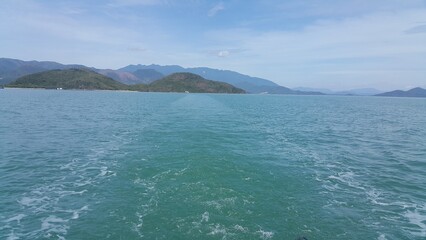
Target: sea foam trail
[47, 202]
[210, 166]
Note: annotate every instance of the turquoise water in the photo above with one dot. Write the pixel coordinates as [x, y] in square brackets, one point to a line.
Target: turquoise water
[126, 165]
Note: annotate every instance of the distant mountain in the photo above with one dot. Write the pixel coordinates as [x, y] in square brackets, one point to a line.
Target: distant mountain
[165, 70]
[189, 82]
[147, 75]
[358, 91]
[275, 90]
[307, 89]
[123, 77]
[91, 80]
[234, 78]
[245, 82]
[11, 69]
[415, 92]
[68, 79]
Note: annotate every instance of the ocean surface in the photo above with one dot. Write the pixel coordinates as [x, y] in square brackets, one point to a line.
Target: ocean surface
[128, 165]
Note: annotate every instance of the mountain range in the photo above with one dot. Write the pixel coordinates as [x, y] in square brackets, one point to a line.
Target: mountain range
[358, 91]
[11, 69]
[86, 79]
[415, 92]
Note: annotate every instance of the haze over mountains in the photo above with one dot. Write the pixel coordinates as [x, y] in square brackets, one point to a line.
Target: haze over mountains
[415, 92]
[12, 69]
[358, 91]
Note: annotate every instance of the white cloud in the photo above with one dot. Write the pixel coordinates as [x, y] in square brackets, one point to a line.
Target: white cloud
[223, 53]
[217, 8]
[44, 32]
[365, 50]
[381, 46]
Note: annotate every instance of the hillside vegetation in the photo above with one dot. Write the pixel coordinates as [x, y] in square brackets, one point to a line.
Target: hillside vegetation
[89, 80]
[181, 82]
[68, 79]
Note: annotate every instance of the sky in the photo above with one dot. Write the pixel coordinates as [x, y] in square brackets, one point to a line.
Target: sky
[334, 44]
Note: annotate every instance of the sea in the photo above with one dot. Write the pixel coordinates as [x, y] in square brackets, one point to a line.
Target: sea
[130, 165]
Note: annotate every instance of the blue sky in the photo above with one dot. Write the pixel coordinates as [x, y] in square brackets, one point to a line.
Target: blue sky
[336, 44]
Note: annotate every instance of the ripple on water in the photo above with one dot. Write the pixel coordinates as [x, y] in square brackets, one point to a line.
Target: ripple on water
[357, 162]
[417, 219]
[60, 200]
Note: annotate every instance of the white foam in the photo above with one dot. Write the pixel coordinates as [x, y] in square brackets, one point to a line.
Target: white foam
[214, 204]
[27, 201]
[137, 227]
[265, 234]
[374, 197]
[417, 218]
[68, 193]
[54, 224]
[47, 202]
[140, 220]
[218, 229]
[205, 217]
[106, 172]
[15, 218]
[347, 178]
[381, 237]
[76, 213]
[180, 172]
[66, 166]
[240, 228]
[221, 203]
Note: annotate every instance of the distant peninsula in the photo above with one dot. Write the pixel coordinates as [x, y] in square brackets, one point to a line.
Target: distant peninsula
[415, 92]
[86, 79]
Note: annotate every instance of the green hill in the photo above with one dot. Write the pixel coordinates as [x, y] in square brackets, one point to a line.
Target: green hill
[182, 82]
[89, 80]
[68, 79]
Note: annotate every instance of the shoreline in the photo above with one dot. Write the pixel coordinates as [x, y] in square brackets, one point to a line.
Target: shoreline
[109, 90]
